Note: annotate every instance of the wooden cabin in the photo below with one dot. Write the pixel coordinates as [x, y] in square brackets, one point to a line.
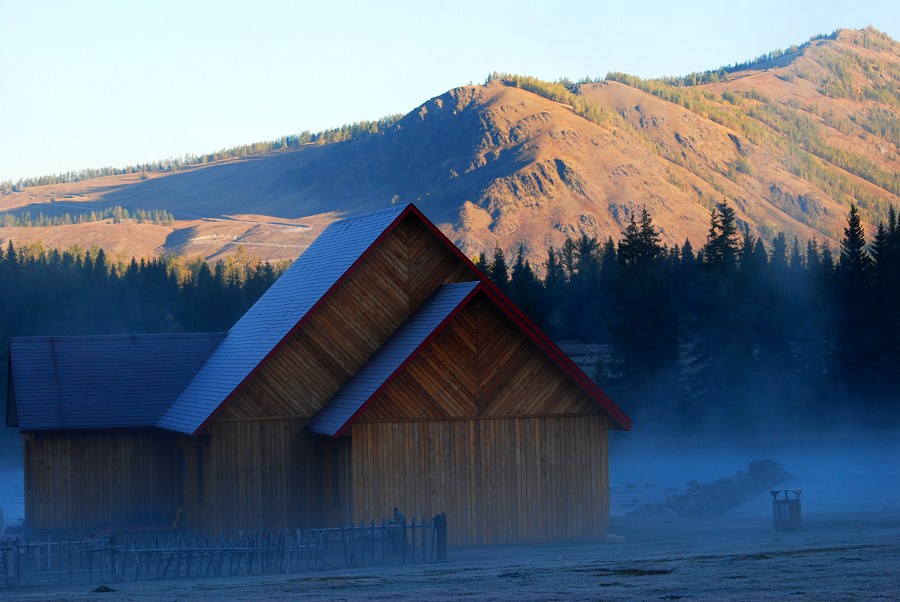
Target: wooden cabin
[381, 371]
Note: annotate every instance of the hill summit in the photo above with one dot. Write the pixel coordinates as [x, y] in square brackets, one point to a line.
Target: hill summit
[790, 139]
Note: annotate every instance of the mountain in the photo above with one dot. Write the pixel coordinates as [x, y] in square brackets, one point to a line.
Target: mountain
[790, 140]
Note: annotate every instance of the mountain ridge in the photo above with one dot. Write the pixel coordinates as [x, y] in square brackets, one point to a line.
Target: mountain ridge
[789, 143]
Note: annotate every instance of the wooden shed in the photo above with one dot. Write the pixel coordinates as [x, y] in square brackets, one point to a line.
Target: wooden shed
[381, 370]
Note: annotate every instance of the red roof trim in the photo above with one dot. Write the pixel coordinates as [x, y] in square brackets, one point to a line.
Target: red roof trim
[409, 208]
[557, 355]
[438, 329]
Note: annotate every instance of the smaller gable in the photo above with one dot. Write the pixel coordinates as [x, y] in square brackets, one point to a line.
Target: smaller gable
[390, 359]
[433, 318]
[101, 382]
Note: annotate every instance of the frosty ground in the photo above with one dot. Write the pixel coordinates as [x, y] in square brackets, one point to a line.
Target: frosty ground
[835, 557]
[848, 548]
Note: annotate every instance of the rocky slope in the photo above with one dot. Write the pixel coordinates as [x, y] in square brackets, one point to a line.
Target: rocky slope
[790, 143]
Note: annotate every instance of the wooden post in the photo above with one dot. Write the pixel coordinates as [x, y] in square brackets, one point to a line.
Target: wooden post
[403, 544]
[413, 561]
[442, 539]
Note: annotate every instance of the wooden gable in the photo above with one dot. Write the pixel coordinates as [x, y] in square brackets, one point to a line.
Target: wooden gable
[479, 365]
[355, 319]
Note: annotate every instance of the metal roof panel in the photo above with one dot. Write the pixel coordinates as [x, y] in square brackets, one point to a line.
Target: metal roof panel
[102, 382]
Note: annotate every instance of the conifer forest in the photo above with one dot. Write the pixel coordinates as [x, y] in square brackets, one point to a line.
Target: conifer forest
[737, 335]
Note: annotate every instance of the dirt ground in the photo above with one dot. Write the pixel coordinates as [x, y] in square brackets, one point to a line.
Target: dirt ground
[834, 557]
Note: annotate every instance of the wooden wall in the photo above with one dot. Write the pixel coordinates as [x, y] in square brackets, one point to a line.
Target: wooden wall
[479, 365]
[253, 474]
[500, 480]
[483, 426]
[91, 480]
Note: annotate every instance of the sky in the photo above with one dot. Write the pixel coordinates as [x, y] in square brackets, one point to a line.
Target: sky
[94, 83]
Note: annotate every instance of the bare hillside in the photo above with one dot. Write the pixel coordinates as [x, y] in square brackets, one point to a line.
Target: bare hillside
[791, 143]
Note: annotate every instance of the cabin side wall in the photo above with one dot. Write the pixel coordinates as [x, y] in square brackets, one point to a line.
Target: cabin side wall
[91, 480]
[483, 426]
[250, 475]
[500, 481]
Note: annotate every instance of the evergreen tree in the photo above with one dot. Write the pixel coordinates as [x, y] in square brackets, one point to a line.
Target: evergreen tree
[482, 264]
[554, 293]
[722, 243]
[885, 318]
[723, 342]
[854, 296]
[525, 288]
[643, 327]
[855, 267]
[499, 272]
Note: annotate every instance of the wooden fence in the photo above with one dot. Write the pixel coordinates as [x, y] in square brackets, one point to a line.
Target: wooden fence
[128, 557]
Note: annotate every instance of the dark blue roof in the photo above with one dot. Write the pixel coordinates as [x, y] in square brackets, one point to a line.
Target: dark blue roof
[102, 382]
[275, 315]
[389, 359]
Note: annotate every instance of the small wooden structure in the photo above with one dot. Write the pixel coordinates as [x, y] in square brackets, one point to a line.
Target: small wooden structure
[381, 370]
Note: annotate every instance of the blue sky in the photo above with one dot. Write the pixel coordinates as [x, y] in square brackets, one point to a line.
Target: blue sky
[94, 83]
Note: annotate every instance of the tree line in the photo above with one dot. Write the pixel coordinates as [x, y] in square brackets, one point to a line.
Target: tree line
[117, 214]
[345, 132]
[732, 334]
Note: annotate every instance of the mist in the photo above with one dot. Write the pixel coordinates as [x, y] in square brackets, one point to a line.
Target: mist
[846, 471]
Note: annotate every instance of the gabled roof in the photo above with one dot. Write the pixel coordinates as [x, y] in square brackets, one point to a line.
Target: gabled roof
[317, 272]
[101, 382]
[276, 314]
[415, 333]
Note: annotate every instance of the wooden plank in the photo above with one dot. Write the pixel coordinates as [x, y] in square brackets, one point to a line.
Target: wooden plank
[90, 480]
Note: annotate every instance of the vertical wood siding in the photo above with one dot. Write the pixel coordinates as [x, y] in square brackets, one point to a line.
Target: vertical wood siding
[260, 469]
[90, 480]
[500, 481]
[257, 474]
[483, 426]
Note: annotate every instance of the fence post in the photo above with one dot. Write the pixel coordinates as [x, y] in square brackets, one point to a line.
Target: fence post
[403, 532]
[442, 538]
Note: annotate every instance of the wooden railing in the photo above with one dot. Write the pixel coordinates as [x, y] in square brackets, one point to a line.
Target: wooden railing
[128, 557]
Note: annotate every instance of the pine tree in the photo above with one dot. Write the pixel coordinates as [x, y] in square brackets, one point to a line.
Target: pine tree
[722, 243]
[482, 264]
[499, 272]
[854, 298]
[643, 327]
[855, 267]
[525, 288]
